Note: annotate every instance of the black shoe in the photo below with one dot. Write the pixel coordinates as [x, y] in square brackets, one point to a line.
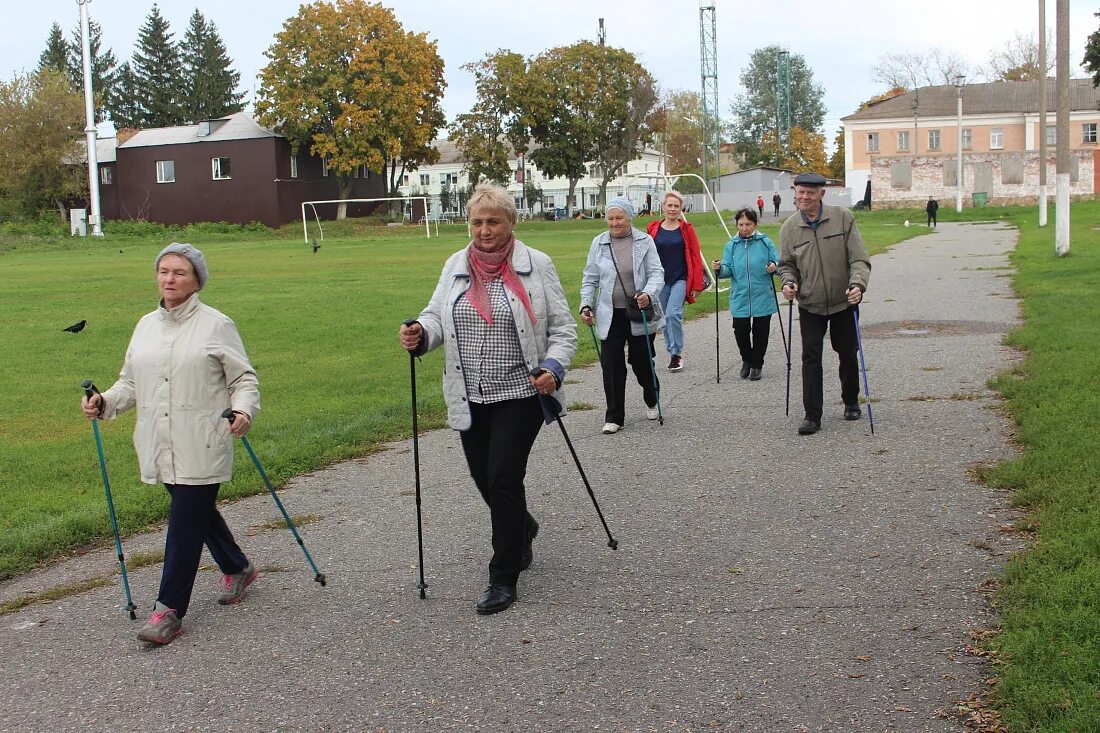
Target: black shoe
[528, 554]
[754, 374]
[496, 598]
[744, 370]
[851, 412]
[809, 427]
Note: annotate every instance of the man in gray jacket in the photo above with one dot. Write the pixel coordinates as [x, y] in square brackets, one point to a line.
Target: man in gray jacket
[824, 264]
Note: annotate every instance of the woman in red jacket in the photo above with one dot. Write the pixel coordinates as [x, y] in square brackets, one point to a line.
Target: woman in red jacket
[678, 248]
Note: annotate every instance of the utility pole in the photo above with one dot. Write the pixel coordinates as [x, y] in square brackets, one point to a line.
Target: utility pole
[959, 83]
[1061, 202]
[89, 128]
[1042, 113]
[603, 33]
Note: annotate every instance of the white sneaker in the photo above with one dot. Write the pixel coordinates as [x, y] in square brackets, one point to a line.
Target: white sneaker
[652, 413]
[610, 427]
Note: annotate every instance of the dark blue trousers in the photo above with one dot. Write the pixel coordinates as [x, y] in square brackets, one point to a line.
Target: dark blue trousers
[194, 520]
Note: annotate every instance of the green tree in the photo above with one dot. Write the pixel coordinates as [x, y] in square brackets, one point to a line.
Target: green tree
[56, 54]
[1091, 62]
[209, 81]
[348, 83]
[804, 152]
[497, 117]
[756, 110]
[157, 74]
[837, 167]
[45, 110]
[446, 197]
[532, 194]
[123, 106]
[104, 65]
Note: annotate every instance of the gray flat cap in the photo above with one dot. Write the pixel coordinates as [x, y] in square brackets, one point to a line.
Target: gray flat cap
[809, 179]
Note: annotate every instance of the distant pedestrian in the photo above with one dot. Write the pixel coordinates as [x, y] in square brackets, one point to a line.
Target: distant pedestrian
[749, 260]
[184, 366]
[824, 263]
[678, 248]
[931, 208]
[760, 204]
[499, 313]
[776, 201]
[622, 277]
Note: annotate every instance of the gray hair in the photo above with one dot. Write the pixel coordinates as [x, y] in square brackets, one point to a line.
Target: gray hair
[675, 194]
[494, 198]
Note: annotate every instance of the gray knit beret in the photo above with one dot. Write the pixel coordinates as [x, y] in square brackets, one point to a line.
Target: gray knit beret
[191, 254]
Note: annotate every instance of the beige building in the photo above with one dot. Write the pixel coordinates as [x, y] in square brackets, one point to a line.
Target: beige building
[906, 146]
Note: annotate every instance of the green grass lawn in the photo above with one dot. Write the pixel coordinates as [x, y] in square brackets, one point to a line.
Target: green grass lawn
[319, 328]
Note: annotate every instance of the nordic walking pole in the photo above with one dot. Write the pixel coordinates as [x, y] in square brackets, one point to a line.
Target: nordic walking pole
[595, 342]
[717, 353]
[550, 405]
[317, 574]
[779, 313]
[790, 346]
[89, 390]
[652, 366]
[422, 586]
[863, 368]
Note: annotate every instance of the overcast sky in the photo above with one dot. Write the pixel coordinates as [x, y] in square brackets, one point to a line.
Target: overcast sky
[840, 39]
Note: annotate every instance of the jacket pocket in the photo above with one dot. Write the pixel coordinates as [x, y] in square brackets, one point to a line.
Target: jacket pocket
[202, 444]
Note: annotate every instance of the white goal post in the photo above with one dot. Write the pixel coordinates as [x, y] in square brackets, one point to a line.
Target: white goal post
[312, 205]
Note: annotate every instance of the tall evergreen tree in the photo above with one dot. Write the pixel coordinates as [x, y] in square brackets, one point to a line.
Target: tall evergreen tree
[122, 102]
[158, 80]
[209, 83]
[104, 67]
[56, 54]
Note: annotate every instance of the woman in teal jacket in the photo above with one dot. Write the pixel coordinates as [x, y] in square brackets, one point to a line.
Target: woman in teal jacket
[748, 260]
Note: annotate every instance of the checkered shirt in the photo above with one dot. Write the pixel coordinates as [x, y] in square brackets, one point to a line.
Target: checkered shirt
[491, 355]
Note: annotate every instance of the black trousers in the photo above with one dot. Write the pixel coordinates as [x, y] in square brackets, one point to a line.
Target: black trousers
[751, 335]
[194, 520]
[931, 220]
[497, 446]
[614, 369]
[842, 335]
[777, 209]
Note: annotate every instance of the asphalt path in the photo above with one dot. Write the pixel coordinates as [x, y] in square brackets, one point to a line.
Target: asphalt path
[763, 582]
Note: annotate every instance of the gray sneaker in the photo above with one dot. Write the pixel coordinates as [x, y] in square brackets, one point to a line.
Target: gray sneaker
[235, 587]
[161, 628]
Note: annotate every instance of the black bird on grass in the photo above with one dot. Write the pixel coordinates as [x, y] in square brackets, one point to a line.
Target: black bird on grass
[315, 246]
[76, 327]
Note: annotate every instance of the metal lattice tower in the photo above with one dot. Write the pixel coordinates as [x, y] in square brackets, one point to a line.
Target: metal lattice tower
[708, 63]
[783, 98]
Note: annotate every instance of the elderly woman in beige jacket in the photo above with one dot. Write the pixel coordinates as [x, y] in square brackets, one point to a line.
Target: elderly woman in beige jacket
[184, 366]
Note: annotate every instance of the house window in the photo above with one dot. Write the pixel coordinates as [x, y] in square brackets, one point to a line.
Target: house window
[324, 167]
[1052, 135]
[220, 167]
[355, 173]
[106, 177]
[1088, 133]
[903, 140]
[933, 139]
[294, 166]
[425, 179]
[968, 138]
[996, 138]
[548, 202]
[872, 142]
[366, 171]
[451, 179]
[405, 180]
[166, 171]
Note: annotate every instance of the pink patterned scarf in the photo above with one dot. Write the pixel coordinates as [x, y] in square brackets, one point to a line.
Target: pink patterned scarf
[488, 266]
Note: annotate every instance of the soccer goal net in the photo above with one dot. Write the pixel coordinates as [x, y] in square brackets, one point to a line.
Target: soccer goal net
[427, 221]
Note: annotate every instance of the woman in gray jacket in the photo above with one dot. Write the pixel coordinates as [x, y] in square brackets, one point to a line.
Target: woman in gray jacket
[623, 266]
[500, 315]
[184, 366]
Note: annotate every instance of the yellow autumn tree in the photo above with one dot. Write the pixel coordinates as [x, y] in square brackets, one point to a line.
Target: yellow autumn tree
[806, 151]
[346, 82]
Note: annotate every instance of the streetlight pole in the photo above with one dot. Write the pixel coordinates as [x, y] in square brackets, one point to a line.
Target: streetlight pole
[959, 80]
[89, 128]
[1042, 113]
